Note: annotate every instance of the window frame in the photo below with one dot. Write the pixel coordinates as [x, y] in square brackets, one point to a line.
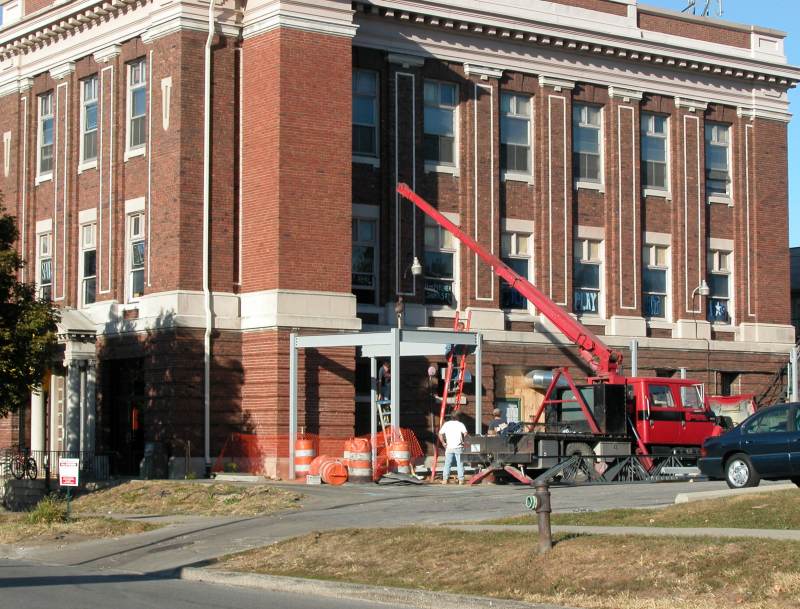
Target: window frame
[649, 117]
[514, 254]
[514, 174]
[441, 247]
[132, 239]
[44, 253]
[586, 259]
[375, 244]
[361, 157]
[581, 182]
[138, 149]
[438, 166]
[83, 248]
[43, 176]
[714, 268]
[727, 196]
[650, 262]
[84, 162]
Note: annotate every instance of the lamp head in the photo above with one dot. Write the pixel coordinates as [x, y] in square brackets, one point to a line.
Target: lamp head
[416, 267]
[703, 288]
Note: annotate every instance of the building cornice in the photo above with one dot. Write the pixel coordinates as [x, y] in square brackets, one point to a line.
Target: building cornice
[332, 17]
[63, 70]
[625, 95]
[692, 105]
[621, 40]
[483, 72]
[557, 84]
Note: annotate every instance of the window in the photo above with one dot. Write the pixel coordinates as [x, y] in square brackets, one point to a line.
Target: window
[719, 268]
[586, 133]
[137, 104]
[440, 120]
[365, 113]
[654, 280]
[661, 396]
[136, 255]
[88, 265]
[586, 276]
[364, 276]
[515, 132]
[691, 397]
[654, 151]
[439, 264]
[772, 421]
[516, 253]
[718, 175]
[45, 266]
[46, 134]
[88, 119]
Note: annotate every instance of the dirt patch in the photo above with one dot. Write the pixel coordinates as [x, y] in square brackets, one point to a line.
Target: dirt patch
[775, 510]
[597, 572]
[164, 497]
[15, 528]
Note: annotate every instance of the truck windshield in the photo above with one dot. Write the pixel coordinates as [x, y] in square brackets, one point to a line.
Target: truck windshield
[690, 396]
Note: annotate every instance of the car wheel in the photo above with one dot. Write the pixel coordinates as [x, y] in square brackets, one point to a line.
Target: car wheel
[740, 473]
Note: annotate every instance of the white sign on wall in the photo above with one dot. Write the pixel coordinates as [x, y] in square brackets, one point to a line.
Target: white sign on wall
[68, 470]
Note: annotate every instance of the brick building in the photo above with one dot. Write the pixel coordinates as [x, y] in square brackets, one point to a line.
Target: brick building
[617, 154]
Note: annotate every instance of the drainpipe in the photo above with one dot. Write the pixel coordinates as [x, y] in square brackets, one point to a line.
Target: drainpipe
[206, 230]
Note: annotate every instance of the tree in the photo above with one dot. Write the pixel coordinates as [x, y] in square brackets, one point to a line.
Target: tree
[27, 326]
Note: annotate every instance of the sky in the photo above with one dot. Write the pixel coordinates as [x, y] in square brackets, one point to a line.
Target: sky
[781, 15]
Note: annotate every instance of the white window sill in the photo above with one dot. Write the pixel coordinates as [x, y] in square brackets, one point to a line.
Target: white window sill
[441, 311]
[581, 185]
[721, 199]
[45, 177]
[367, 160]
[657, 192]
[519, 315]
[134, 152]
[658, 323]
[721, 327]
[515, 176]
[87, 165]
[436, 168]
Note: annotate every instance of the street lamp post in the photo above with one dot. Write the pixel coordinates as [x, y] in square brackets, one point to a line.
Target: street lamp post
[400, 306]
[703, 291]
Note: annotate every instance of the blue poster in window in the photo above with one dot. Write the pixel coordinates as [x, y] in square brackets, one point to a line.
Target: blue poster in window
[586, 301]
[653, 305]
[718, 310]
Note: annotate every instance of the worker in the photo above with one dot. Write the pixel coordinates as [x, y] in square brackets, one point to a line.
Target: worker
[385, 381]
[452, 435]
[498, 423]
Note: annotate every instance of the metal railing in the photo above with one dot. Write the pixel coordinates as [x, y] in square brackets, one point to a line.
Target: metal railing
[93, 466]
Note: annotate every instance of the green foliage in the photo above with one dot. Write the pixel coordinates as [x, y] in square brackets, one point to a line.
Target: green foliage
[50, 510]
[27, 325]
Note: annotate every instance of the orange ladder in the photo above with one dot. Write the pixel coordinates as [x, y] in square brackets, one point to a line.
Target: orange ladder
[453, 381]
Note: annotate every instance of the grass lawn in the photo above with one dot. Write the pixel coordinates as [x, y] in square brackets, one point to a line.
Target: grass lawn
[775, 510]
[592, 571]
[16, 528]
[165, 497]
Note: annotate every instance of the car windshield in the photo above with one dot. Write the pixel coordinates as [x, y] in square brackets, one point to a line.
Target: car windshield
[690, 396]
[772, 421]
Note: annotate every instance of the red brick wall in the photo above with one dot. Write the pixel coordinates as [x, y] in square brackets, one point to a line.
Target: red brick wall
[604, 6]
[707, 32]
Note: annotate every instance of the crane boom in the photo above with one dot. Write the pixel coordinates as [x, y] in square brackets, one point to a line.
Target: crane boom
[604, 362]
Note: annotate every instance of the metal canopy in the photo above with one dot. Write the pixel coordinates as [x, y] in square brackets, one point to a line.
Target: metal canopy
[394, 344]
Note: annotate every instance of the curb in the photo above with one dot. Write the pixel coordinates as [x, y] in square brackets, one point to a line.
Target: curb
[382, 594]
[703, 495]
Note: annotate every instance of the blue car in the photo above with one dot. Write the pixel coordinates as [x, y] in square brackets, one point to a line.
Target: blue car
[766, 445]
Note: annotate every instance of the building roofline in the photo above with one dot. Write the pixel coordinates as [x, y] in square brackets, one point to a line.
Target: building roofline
[724, 23]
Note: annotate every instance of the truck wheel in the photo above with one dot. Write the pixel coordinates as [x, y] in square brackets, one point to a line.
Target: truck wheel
[740, 473]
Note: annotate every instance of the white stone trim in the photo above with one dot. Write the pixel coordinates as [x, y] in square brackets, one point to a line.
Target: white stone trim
[486, 319]
[584, 185]
[626, 325]
[166, 98]
[485, 73]
[87, 216]
[134, 152]
[595, 233]
[657, 192]
[44, 226]
[299, 309]
[557, 83]
[405, 60]
[725, 245]
[108, 53]
[723, 199]
[431, 167]
[654, 238]
[370, 212]
[626, 95]
[693, 105]
[333, 17]
[133, 206]
[62, 70]
[6, 153]
[372, 161]
[516, 225]
[766, 333]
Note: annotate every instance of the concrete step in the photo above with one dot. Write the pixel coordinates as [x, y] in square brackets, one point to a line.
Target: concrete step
[21, 495]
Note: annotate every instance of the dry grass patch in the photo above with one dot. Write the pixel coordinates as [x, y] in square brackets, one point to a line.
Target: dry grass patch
[17, 528]
[163, 497]
[776, 510]
[597, 572]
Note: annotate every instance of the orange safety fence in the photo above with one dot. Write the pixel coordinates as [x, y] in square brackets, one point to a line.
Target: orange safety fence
[249, 452]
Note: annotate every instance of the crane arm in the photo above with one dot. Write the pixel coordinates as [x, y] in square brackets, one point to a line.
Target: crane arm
[604, 362]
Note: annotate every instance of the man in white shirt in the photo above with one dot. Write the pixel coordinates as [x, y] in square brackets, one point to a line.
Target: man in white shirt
[452, 436]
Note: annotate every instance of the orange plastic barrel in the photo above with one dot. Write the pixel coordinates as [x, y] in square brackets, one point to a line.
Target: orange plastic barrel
[316, 464]
[348, 447]
[400, 456]
[303, 456]
[359, 466]
[333, 472]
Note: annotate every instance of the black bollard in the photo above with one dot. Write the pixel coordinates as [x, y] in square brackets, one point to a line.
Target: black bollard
[543, 513]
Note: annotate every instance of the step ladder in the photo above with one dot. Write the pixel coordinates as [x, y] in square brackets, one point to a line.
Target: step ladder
[453, 391]
[384, 408]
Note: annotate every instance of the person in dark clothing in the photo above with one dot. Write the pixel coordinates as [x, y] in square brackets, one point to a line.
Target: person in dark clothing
[498, 423]
[385, 381]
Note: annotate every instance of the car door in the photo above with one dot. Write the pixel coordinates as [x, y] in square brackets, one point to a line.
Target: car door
[794, 440]
[766, 439]
[666, 419]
